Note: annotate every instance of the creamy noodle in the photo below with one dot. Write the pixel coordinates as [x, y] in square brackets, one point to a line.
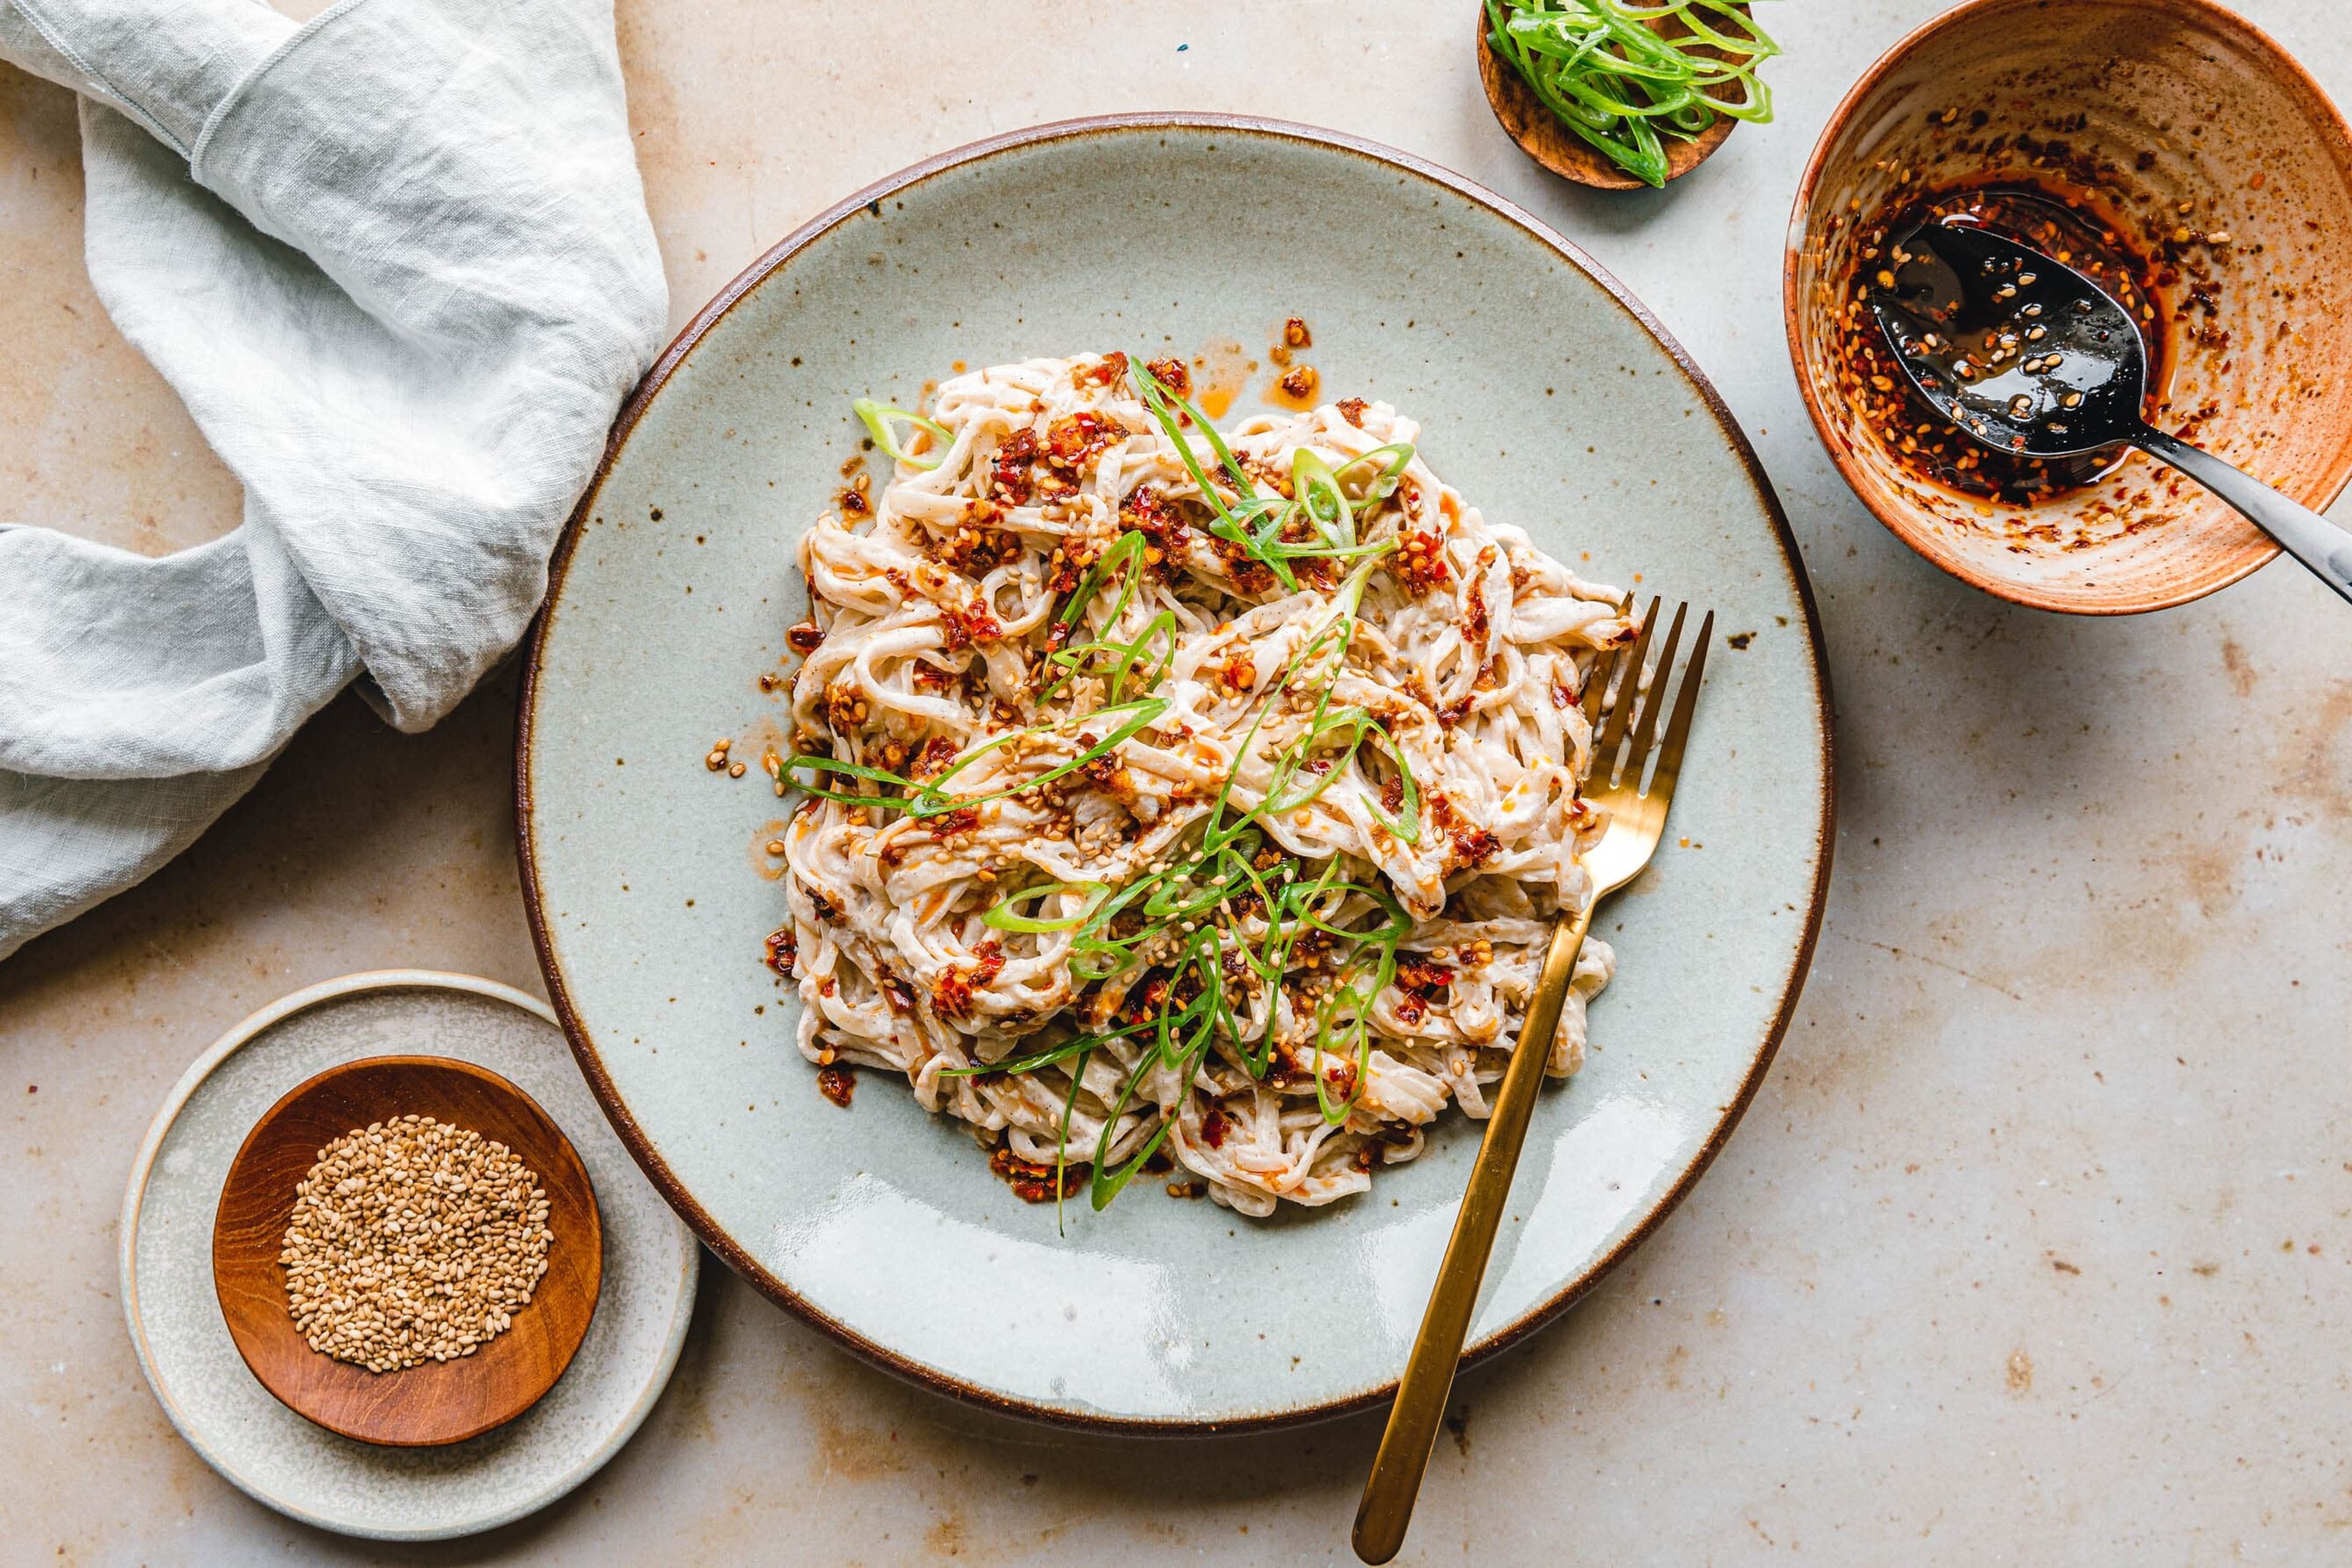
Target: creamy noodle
[1455, 656]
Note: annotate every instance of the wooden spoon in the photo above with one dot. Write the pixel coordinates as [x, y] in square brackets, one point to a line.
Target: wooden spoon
[1542, 137]
[438, 1402]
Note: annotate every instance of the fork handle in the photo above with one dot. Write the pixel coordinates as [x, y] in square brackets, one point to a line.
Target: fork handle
[2300, 532]
[1403, 1457]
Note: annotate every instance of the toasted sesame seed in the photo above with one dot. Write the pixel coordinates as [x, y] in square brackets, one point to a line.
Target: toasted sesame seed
[412, 1241]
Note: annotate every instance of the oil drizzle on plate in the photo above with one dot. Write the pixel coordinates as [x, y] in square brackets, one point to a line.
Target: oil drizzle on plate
[1220, 373]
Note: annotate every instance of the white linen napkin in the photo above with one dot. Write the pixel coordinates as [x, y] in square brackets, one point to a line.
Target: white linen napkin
[396, 261]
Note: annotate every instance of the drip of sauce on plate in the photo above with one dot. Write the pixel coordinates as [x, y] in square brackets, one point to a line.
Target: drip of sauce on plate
[767, 849]
[1298, 388]
[1219, 372]
[2063, 221]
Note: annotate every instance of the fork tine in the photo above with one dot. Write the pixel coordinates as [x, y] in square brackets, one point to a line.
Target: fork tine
[1670, 754]
[1596, 684]
[1647, 729]
[1629, 695]
[1596, 681]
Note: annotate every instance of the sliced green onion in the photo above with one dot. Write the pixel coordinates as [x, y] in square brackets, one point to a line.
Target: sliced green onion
[1062, 1139]
[1320, 500]
[799, 760]
[1125, 555]
[1385, 483]
[1108, 1184]
[1405, 826]
[1359, 1001]
[1127, 550]
[1163, 405]
[1046, 1058]
[1140, 715]
[1618, 81]
[882, 423]
[1205, 1014]
[1003, 916]
[1299, 753]
[1157, 397]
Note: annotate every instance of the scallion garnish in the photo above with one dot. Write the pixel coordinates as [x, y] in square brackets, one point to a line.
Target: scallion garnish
[1164, 404]
[1395, 456]
[1114, 662]
[928, 799]
[882, 423]
[1062, 1139]
[1004, 915]
[1259, 523]
[782, 770]
[1321, 500]
[1610, 74]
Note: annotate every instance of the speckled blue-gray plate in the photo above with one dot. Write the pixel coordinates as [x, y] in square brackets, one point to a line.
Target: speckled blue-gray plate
[277, 1456]
[1547, 395]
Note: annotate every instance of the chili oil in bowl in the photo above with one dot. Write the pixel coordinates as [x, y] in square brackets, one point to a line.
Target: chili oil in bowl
[2174, 154]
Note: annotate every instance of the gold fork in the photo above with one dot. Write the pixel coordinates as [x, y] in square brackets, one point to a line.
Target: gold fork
[1637, 820]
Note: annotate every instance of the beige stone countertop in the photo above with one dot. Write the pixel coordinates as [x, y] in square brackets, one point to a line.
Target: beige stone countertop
[2036, 1245]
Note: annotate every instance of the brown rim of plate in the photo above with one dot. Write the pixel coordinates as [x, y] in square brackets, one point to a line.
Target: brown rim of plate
[592, 1066]
[2223, 19]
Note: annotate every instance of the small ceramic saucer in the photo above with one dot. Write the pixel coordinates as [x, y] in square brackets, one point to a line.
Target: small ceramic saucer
[305, 1471]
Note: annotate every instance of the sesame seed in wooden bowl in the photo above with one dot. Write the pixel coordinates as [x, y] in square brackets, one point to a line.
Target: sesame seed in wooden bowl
[444, 1243]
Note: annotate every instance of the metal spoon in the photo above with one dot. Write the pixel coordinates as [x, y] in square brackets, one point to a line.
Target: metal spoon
[2029, 357]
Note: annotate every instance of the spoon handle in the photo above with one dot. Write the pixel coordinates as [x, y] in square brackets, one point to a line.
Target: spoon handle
[1413, 1420]
[2300, 532]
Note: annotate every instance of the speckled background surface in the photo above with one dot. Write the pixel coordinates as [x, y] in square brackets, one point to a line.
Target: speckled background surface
[2034, 1245]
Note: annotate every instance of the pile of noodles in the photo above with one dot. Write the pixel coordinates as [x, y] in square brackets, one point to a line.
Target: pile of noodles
[936, 606]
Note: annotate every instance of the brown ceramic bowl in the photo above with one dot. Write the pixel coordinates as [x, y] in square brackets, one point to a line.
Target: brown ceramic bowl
[437, 1401]
[2159, 102]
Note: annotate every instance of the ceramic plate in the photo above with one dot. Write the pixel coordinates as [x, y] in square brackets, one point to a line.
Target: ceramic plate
[275, 1455]
[1549, 397]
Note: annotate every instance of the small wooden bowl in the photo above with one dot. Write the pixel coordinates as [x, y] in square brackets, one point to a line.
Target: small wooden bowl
[438, 1402]
[1542, 137]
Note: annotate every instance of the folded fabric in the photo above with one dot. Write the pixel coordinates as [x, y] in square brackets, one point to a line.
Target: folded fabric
[397, 263]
